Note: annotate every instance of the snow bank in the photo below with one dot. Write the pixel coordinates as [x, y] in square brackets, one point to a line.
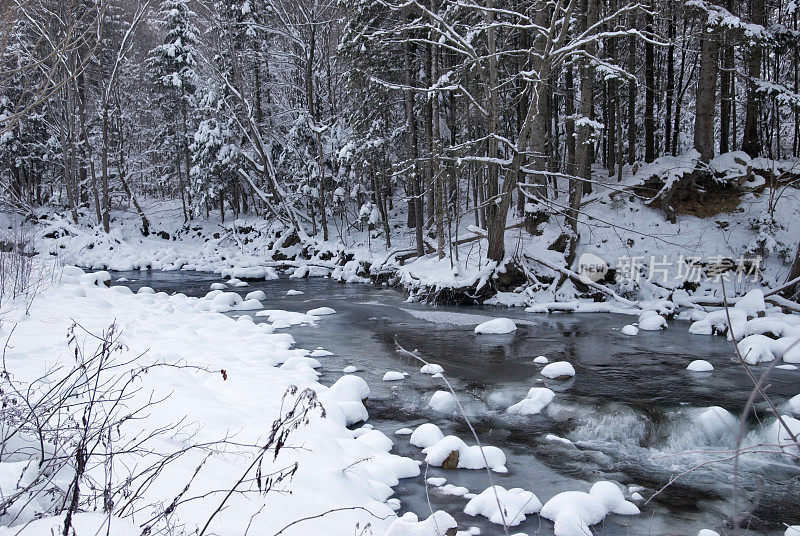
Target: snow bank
[536, 400]
[793, 530]
[498, 326]
[558, 369]
[516, 503]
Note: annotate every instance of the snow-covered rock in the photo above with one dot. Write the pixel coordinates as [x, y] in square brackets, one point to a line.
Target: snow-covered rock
[443, 402]
[498, 326]
[431, 368]
[793, 530]
[451, 452]
[536, 400]
[349, 369]
[516, 503]
[630, 329]
[793, 405]
[541, 360]
[256, 295]
[393, 376]
[293, 292]
[558, 369]
[652, 323]
[218, 286]
[225, 301]
[321, 311]
[707, 532]
[426, 435]
[573, 512]
[440, 523]
[700, 365]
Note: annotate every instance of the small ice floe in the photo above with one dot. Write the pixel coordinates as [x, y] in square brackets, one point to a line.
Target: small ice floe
[431, 368]
[451, 452]
[408, 524]
[558, 369]
[536, 400]
[321, 311]
[426, 435]
[516, 504]
[630, 329]
[573, 512]
[256, 295]
[293, 292]
[541, 360]
[443, 402]
[393, 376]
[700, 365]
[498, 326]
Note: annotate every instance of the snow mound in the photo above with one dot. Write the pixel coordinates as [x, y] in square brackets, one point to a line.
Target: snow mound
[404, 431]
[516, 504]
[349, 393]
[498, 326]
[293, 292]
[431, 368]
[707, 532]
[393, 376]
[256, 295]
[451, 452]
[536, 400]
[558, 369]
[426, 435]
[251, 272]
[225, 301]
[145, 290]
[793, 405]
[321, 311]
[443, 402]
[700, 365]
[794, 530]
[541, 360]
[574, 511]
[349, 369]
[321, 352]
[438, 524]
[218, 286]
[652, 323]
[630, 329]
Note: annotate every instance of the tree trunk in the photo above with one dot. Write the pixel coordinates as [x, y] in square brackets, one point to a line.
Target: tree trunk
[706, 92]
[751, 144]
[670, 89]
[649, 92]
[632, 93]
[412, 143]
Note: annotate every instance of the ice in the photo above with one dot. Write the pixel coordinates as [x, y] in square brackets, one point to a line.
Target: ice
[321, 311]
[652, 323]
[630, 329]
[469, 457]
[431, 368]
[537, 399]
[393, 376]
[700, 365]
[558, 369]
[541, 360]
[498, 326]
[293, 292]
[557, 439]
[437, 524]
[443, 402]
[256, 295]
[516, 503]
[426, 435]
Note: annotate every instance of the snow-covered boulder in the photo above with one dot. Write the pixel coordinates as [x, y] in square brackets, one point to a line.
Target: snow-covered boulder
[793, 530]
[573, 512]
[321, 311]
[431, 368]
[516, 504]
[558, 369]
[218, 286]
[652, 322]
[145, 290]
[498, 326]
[793, 405]
[350, 393]
[541, 360]
[256, 295]
[451, 452]
[700, 365]
[225, 301]
[443, 402]
[426, 435]
[630, 330]
[536, 400]
[292, 292]
[440, 523]
[393, 376]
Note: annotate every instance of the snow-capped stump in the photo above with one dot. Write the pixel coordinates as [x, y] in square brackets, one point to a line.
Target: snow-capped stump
[293, 292]
[393, 376]
[700, 365]
[321, 311]
[145, 290]
[558, 370]
[573, 512]
[426, 435]
[652, 322]
[218, 286]
[256, 295]
[225, 301]
[498, 326]
[439, 523]
[516, 504]
[431, 368]
[443, 402]
[537, 399]
[630, 330]
[451, 452]
[541, 360]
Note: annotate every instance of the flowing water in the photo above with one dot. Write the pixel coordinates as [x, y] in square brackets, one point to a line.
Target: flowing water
[632, 412]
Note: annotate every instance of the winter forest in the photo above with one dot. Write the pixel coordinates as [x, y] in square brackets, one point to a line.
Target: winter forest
[400, 267]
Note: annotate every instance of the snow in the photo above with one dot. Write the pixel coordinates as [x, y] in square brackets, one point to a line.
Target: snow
[700, 365]
[404, 431]
[516, 503]
[256, 295]
[426, 435]
[436, 481]
[652, 323]
[321, 311]
[431, 368]
[393, 376]
[536, 400]
[443, 402]
[469, 457]
[321, 352]
[349, 369]
[558, 369]
[218, 286]
[707, 532]
[293, 292]
[409, 525]
[793, 405]
[793, 530]
[541, 360]
[630, 330]
[573, 512]
[498, 326]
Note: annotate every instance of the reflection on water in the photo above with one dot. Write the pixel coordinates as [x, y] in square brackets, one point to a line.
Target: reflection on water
[633, 413]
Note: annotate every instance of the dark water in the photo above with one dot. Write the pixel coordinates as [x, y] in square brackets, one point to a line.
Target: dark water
[632, 410]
